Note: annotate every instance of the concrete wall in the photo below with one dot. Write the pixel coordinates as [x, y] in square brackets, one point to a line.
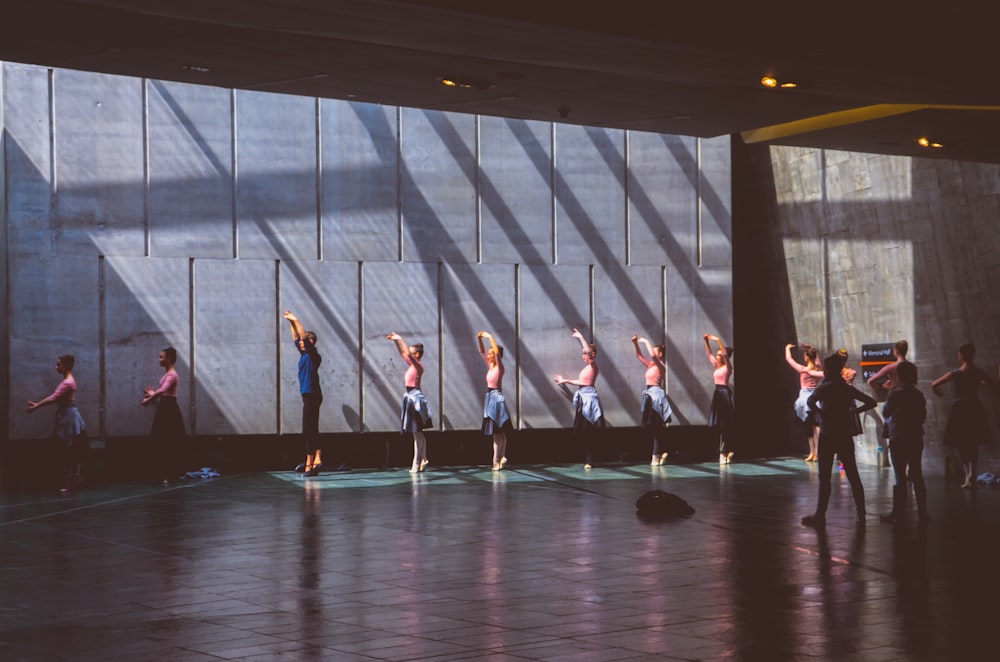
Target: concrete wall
[140, 214]
[861, 248]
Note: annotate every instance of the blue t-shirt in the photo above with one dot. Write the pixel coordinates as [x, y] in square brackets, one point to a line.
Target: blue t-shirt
[309, 360]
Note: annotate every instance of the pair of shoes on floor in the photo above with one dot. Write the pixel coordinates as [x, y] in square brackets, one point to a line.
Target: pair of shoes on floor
[725, 458]
[314, 471]
[814, 520]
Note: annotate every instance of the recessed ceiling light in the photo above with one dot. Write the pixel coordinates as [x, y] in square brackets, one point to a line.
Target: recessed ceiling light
[789, 85]
[769, 81]
[924, 141]
[466, 83]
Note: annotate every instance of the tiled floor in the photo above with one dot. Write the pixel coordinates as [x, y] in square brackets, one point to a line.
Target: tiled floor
[533, 563]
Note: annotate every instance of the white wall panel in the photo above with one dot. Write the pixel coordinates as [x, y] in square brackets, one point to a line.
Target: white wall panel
[235, 335]
[56, 304]
[28, 159]
[276, 176]
[438, 186]
[402, 298]
[324, 296]
[100, 173]
[516, 191]
[360, 192]
[190, 170]
[553, 300]
[663, 199]
[147, 308]
[476, 298]
[627, 301]
[590, 195]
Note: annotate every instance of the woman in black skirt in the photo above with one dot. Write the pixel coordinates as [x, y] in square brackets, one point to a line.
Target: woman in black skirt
[967, 427]
[723, 408]
[168, 424]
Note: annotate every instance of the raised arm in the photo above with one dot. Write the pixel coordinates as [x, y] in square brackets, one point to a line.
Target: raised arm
[298, 332]
[401, 346]
[493, 344]
[638, 352]
[583, 341]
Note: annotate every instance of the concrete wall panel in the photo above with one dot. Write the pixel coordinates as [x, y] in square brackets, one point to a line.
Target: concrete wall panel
[663, 199]
[402, 298]
[190, 170]
[715, 195]
[553, 300]
[516, 190]
[476, 298]
[28, 159]
[438, 186]
[235, 335]
[360, 195]
[698, 302]
[147, 307]
[100, 168]
[590, 195]
[276, 176]
[56, 300]
[627, 301]
[324, 296]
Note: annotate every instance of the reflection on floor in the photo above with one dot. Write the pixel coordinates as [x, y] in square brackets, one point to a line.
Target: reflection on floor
[531, 563]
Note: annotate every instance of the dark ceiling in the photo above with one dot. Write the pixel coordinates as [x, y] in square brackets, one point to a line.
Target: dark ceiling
[872, 76]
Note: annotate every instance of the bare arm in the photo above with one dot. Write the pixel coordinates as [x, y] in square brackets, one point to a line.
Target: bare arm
[880, 374]
[583, 341]
[401, 345]
[940, 381]
[298, 332]
[638, 352]
[493, 344]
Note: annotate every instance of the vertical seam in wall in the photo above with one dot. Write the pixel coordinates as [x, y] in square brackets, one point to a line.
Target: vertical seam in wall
[53, 170]
[440, 344]
[697, 200]
[517, 339]
[628, 207]
[554, 194]
[147, 230]
[399, 182]
[192, 381]
[319, 179]
[479, 192]
[102, 371]
[277, 352]
[235, 177]
[4, 269]
[664, 330]
[593, 331]
[361, 346]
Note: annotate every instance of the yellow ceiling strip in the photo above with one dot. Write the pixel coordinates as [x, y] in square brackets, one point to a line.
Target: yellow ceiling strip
[843, 118]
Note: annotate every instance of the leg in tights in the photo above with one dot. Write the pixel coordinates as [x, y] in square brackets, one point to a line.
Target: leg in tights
[826, 450]
[846, 453]
[916, 474]
[499, 449]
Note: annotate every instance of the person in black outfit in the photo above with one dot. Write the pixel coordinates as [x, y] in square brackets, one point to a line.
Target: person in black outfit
[312, 394]
[904, 412]
[967, 428]
[833, 399]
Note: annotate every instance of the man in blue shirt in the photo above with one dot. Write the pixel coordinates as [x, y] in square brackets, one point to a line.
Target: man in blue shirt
[312, 393]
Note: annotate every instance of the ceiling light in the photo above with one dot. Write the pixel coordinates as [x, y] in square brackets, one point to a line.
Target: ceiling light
[769, 81]
[466, 83]
[789, 85]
